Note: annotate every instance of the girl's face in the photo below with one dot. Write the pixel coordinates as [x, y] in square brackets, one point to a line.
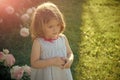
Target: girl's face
[52, 29]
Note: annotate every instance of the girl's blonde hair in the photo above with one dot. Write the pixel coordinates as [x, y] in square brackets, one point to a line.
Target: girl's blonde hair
[42, 15]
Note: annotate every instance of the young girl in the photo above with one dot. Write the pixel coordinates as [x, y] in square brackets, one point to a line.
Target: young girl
[51, 55]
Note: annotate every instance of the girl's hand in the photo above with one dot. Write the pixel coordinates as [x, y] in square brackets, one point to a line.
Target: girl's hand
[67, 64]
[59, 62]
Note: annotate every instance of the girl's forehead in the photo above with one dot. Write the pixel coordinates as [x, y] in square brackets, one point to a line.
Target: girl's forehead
[53, 21]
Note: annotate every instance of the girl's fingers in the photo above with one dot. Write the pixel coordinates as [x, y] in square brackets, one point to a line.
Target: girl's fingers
[66, 64]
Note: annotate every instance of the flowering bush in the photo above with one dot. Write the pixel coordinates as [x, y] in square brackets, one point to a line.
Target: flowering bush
[10, 10]
[6, 59]
[20, 73]
[26, 20]
[10, 72]
[24, 32]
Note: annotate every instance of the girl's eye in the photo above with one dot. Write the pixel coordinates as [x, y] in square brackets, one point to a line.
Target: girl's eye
[58, 25]
[50, 26]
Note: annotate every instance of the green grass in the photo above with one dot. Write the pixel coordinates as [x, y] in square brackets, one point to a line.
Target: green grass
[93, 30]
[100, 44]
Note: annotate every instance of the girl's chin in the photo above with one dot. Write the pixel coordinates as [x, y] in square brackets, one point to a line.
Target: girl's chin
[55, 36]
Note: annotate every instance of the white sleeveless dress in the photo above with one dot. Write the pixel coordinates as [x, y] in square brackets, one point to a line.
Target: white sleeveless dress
[49, 50]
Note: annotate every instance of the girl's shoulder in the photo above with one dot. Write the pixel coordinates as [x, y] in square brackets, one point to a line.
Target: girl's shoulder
[36, 40]
[36, 43]
[62, 35]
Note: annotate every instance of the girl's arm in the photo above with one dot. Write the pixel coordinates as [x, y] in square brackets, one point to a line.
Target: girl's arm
[70, 56]
[36, 62]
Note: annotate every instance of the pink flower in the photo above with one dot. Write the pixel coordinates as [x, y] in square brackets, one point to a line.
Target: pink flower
[6, 51]
[1, 20]
[25, 17]
[24, 32]
[2, 56]
[10, 10]
[17, 14]
[33, 8]
[16, 72]
[9, 60]
[27, 69]
[29, 11]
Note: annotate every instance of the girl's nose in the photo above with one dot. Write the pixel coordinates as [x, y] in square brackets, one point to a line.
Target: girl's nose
[55, 29]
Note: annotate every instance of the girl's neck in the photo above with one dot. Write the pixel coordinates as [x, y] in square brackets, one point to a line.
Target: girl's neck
[50, 39]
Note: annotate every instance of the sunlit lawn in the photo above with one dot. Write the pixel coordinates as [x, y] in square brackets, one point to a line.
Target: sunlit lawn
[100, 44]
